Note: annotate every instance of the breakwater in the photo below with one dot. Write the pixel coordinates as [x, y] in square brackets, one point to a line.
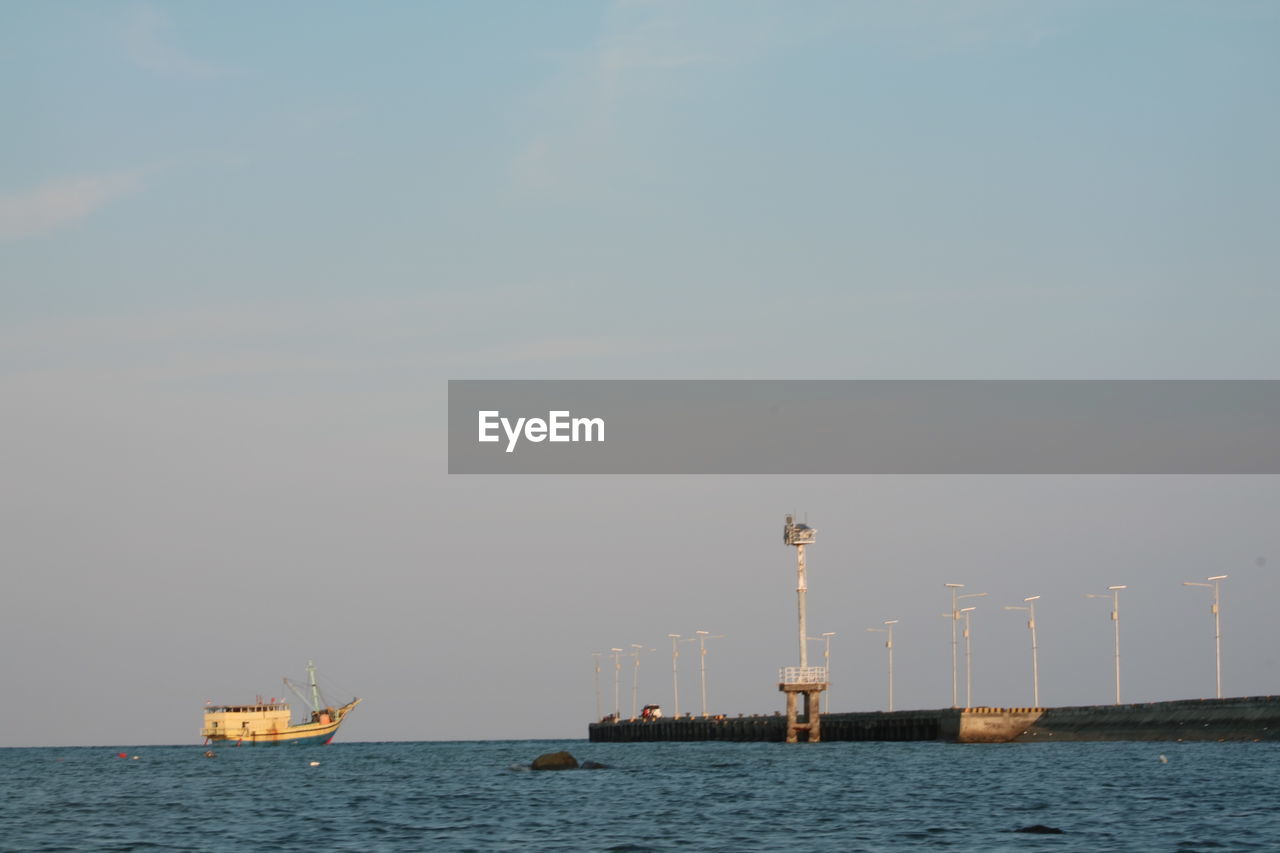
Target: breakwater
[1253, 718]
[1247, 718]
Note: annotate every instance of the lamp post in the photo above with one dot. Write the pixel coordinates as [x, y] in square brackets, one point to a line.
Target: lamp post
[1115, 617]
[1031, 623]
[825, 702]
[703, 636]
[636, 649]
[799, 535]
[955, 618]
[968, 658]
[596, 655]
[888, 644]
[676, 639]
[616, 654]
[1216, 608]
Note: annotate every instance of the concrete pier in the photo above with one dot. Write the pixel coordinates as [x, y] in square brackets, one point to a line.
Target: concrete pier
[1255, 718]
[1242, 718]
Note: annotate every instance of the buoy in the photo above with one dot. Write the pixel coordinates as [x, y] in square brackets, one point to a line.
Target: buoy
[1164, 759]
[122, 755]
[315, 764]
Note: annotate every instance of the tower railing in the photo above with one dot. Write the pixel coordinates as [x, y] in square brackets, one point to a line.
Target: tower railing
[802, 675]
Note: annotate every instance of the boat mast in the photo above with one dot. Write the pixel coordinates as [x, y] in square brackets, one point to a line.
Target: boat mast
[315, 691]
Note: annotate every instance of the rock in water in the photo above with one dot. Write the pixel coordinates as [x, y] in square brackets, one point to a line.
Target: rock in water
[554, 761]
[593, 765]
[1041, 829]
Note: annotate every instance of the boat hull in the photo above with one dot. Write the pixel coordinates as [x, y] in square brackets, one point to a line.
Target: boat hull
[284, 738]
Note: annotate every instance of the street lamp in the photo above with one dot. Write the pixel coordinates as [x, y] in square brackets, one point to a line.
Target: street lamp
[636, 649]
[955, 618]
[888, 644]
[1115, 617]
[826, 662]
[596, 655]
[675, 677]
[799, 535]
[616, 654]
[1216, 609]
[1031, 623]
[703, 636]
[968, 657]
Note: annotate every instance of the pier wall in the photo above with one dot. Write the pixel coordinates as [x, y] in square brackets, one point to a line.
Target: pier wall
[864, 726]
[1248, 718]
[746, 728]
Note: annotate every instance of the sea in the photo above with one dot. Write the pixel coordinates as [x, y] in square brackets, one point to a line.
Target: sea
[712, 796]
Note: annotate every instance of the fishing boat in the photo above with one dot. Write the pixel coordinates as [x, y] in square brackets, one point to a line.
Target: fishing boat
[269, 723]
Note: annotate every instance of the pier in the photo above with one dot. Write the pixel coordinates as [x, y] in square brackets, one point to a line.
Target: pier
[1250, 718]
[1246, 718]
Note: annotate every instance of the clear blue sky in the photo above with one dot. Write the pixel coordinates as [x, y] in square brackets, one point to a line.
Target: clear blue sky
[243, 248]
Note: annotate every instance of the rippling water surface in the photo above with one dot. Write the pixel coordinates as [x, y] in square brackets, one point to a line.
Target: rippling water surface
[678, 796]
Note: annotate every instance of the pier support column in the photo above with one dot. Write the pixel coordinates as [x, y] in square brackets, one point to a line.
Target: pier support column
[812, 725]
[812, 706]
[791, 717]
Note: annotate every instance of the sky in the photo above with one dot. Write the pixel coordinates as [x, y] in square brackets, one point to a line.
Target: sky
[243, 249]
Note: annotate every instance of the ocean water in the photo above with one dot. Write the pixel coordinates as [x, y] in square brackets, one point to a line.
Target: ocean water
[651, 797]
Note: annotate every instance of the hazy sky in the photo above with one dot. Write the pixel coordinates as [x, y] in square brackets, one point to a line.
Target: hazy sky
[242, 248]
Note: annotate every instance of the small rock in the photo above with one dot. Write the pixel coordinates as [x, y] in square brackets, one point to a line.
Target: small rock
[593, 765]
[1040, 829]
[554, 761]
